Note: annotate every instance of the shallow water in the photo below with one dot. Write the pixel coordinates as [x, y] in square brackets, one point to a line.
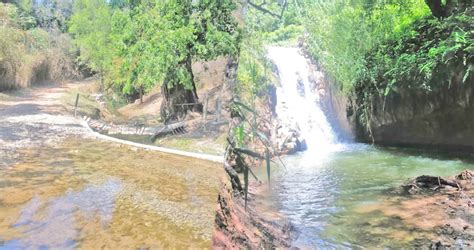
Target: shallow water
[91, 194]
[337, 200]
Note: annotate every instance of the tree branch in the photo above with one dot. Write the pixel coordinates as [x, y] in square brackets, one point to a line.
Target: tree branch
[260, 7]
[285, 3]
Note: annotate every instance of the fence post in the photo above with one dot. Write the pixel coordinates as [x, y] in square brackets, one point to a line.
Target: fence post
[218, 109]
[206, 101]
[75, 105]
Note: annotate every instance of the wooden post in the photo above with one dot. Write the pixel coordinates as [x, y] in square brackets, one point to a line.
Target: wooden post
[218, 109]
[206, 101]
[75, 105]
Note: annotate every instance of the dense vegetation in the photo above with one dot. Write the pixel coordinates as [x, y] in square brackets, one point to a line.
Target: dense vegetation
[374, 49]
[340, 34]
[33, 45]
[423, 58]
[374, 46]
[138, 45]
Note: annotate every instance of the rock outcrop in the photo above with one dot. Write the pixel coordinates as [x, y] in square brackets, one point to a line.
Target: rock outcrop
[444, 207]
[443, 118]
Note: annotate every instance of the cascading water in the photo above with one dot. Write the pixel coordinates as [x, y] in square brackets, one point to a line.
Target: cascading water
[299, 101]
[299, 105]
[328, 192]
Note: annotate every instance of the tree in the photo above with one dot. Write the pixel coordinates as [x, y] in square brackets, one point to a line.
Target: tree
[440, 8]
[53, 14]
[262, 7]
[91, 28]
[159, 40]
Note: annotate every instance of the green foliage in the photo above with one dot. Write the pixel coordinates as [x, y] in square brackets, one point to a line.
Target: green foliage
[91, 28]
[52, 14]
[342, 32]
[246, 133]
[271, 29]
[423, 58]
[45, 14]
[254, 74]
[149, 42]
[11, 16]
[427, 58]
[30, 54]
[285, 34]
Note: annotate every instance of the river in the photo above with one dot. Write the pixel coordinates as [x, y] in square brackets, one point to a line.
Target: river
[337, 193]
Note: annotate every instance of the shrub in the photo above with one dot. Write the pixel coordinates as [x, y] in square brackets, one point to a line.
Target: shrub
[31, 56]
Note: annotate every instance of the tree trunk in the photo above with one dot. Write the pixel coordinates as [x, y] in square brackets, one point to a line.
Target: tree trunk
[178, 100]
[440, 10]
[436, 7]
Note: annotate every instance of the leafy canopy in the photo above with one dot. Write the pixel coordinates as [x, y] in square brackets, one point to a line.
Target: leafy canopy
[158, 39]
[149, 42]
[91, 28]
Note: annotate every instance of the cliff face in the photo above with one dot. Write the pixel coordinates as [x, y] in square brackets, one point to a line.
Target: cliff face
[336, 105]
[443, 118]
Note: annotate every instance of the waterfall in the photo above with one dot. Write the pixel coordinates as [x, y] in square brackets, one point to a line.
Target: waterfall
[299, 101]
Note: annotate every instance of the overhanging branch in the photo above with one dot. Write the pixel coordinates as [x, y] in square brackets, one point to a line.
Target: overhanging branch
[261, 7]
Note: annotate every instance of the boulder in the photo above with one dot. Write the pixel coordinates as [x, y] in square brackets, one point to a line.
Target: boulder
[301, 144]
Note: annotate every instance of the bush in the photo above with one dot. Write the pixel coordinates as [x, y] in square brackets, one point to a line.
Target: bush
[342, 32]
[424, 59]
[31, 56]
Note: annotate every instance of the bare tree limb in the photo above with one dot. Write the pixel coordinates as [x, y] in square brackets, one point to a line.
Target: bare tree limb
[285, 3]
[261, 7]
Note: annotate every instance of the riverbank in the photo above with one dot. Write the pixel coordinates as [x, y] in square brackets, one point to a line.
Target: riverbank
[205, 136]
[442, 205]
[256, 224]
[35, 118]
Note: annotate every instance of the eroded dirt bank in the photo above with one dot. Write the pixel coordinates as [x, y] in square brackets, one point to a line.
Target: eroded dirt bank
[256, 226]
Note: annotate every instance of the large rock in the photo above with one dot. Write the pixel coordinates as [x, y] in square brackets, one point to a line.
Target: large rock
[442, 118]
[301, 144]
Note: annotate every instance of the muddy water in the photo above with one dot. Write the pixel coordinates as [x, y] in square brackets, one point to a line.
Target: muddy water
[91, 194]
[344, 198]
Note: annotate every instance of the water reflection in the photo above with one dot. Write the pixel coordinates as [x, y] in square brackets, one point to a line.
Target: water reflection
[52, 222]
[94, 194]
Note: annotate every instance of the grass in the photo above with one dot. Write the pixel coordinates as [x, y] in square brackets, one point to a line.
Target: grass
[87, 105]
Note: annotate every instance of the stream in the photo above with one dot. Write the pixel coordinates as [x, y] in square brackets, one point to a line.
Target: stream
[335, 192]
[87, 193]
[62, 187]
